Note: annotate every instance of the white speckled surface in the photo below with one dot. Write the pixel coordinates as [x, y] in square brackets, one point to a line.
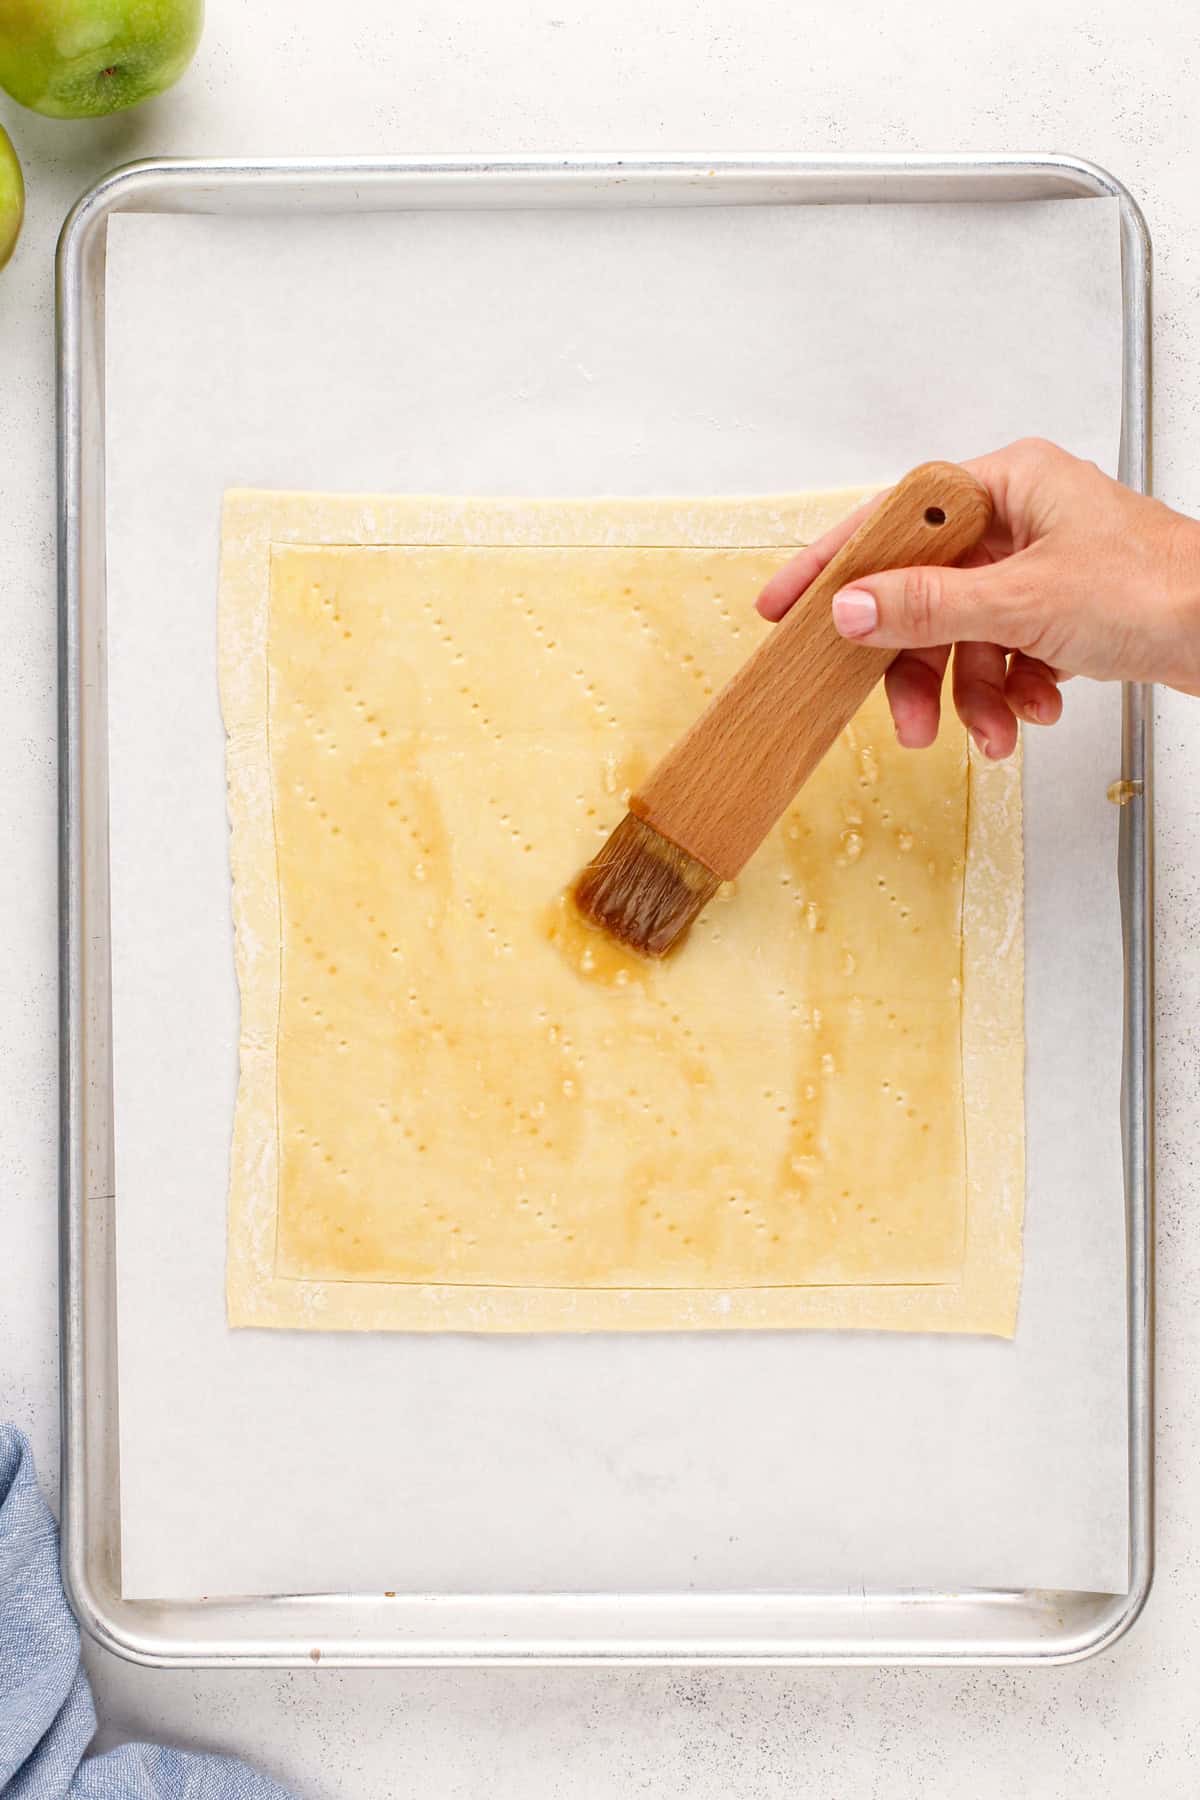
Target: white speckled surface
[1104, 79]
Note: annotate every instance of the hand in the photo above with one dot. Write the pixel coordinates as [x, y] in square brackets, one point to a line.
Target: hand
[1076, 575]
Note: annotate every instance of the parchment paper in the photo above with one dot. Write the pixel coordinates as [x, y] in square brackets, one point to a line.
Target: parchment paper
[695, 351]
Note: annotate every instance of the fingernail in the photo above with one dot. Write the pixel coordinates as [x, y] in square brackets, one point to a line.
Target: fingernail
[981, 742]
[1035, 714]
[855, 612]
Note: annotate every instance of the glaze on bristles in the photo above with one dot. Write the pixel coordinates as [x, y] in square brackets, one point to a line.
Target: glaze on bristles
[642, 889]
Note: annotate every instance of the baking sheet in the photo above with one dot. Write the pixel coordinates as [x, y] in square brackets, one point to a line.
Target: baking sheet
[692, 350]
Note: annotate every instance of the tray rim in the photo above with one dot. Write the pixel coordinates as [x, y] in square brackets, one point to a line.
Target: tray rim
[908, 1626]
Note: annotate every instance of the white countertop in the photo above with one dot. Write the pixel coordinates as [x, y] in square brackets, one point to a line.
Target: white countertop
[1104, 80]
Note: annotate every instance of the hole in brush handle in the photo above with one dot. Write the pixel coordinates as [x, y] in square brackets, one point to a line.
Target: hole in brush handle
[934, 515]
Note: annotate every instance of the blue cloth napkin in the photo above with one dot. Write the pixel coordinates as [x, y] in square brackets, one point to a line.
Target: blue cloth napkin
[47, 1719]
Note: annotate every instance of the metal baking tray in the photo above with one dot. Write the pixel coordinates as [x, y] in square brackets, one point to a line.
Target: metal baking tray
[973, 1626]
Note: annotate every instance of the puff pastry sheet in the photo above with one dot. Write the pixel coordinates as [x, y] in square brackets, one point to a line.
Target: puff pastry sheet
[457, 1110]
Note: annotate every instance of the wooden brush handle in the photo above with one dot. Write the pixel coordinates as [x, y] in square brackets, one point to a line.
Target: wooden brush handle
[718, 792]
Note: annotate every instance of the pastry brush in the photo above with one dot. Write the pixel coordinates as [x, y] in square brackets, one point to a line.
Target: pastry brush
[707, 806]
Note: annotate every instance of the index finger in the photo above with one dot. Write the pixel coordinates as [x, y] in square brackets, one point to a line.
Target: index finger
[786, 586]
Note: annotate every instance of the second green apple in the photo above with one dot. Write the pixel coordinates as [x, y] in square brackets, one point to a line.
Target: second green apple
[12, 198]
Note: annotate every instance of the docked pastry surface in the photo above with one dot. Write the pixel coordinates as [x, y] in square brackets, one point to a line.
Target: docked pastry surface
[460, 1109]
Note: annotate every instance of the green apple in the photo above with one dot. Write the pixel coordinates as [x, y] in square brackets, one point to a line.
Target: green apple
[12, 198]
[77, 59]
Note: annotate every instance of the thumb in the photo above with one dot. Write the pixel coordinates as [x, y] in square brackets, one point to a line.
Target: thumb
[914, 609]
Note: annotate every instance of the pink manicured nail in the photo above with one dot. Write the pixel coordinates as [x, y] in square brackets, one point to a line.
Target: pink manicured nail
[855, 612]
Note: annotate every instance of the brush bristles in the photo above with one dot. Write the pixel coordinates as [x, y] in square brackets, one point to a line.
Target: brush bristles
[642, 889]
